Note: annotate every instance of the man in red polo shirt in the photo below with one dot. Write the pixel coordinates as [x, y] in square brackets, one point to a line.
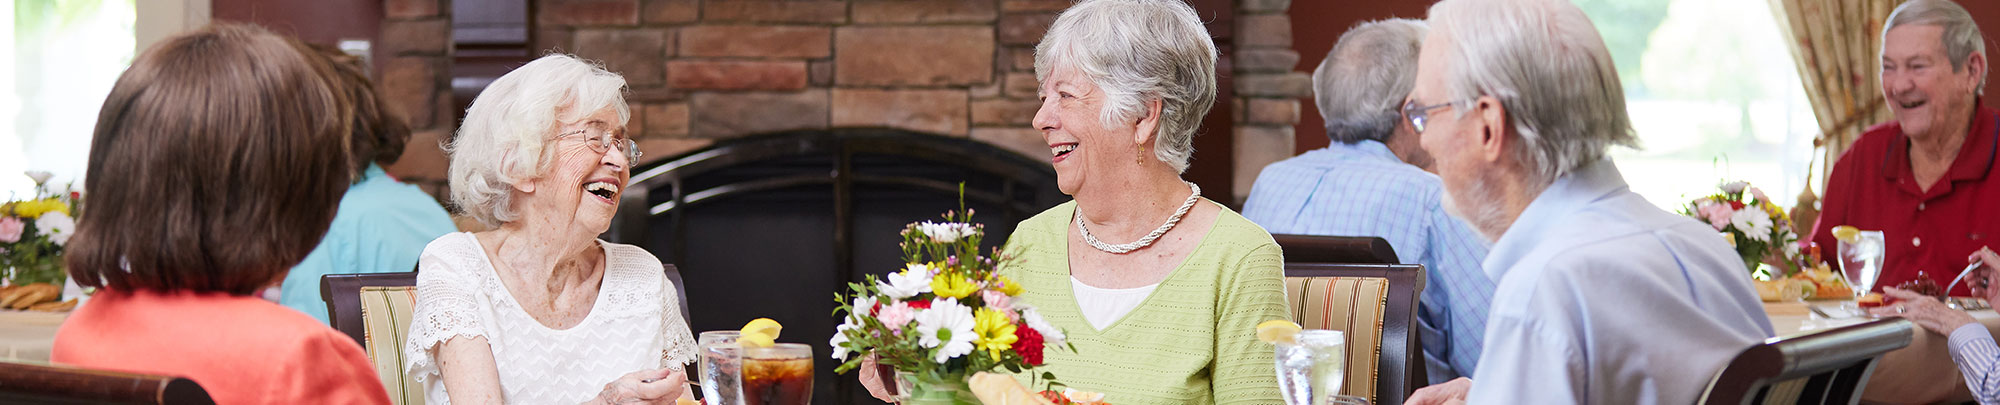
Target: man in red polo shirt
[1927, 180]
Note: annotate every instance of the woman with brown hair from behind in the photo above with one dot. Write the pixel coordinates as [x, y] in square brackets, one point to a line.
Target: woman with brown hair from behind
[218, 161]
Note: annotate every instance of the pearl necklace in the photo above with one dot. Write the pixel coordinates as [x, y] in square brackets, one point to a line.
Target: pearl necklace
[1142, 243]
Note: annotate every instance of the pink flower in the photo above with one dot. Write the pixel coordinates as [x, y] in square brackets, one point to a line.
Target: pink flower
[11, 228]
[1717, 215]
[999, 301]
[896, 315]
[1759, 193]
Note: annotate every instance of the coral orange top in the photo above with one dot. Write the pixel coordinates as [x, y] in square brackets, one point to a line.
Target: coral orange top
[241, 349]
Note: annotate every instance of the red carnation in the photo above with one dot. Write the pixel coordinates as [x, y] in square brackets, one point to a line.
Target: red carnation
[1029, 344]
[920, 304]
[875, 309]
[1736, 205]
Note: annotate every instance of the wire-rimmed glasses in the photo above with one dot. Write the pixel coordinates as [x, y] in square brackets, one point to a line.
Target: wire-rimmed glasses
[603, 141]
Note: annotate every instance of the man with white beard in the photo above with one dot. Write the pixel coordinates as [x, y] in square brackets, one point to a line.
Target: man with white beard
[1603, 298]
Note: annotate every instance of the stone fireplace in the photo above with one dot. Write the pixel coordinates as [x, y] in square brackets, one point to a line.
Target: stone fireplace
[708, 70]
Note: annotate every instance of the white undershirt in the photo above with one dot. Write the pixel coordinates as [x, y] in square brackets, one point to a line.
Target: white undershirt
[1103, 306]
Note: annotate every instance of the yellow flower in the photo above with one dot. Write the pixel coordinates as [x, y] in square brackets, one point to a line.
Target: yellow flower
[35, 208]
[953, 286]
[995, 331]
[1008, 286]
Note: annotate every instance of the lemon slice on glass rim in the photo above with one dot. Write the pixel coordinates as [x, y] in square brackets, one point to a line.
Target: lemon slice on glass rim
[1846, 233]
[1278, 331]
[760, 332]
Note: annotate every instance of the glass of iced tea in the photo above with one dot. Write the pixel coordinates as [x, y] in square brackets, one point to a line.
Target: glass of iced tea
[778, 375]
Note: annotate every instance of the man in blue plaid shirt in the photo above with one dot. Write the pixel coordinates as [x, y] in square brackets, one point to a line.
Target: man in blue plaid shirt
[1371, 182]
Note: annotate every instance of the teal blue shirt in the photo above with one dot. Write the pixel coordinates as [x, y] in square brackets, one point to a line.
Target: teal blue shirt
[382, 227]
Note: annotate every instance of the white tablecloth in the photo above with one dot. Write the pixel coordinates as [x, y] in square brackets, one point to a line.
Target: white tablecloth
[27, 336]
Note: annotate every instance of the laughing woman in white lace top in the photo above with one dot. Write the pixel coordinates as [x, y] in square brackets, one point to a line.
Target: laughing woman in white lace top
[538, 310]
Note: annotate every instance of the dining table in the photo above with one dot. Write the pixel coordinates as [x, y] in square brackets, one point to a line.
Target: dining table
[1921, 373]
[28, 336]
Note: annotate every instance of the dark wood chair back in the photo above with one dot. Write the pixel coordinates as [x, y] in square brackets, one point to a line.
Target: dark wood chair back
[342, 293]
[1401, 368]
[1834, 364]
[1336, 249]
[22, 383]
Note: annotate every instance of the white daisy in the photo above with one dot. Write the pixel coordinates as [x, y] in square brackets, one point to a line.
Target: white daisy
[946, 326]
[57, 226]
[1754, 222]
[839, 341]
[904, 284]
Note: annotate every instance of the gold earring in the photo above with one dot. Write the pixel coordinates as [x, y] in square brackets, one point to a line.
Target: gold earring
[1141, 158]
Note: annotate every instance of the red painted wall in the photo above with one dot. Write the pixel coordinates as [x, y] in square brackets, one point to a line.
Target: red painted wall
[1987, 14]
[1315, 27]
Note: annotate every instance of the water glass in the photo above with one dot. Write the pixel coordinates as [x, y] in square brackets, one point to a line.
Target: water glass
[1312, 368]
[720, 364]
[1861, 261]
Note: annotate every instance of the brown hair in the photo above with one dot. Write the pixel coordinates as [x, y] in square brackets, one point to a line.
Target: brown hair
[217, 163]
[379, 133]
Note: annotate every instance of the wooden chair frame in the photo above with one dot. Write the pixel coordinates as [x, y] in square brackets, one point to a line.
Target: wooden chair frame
[1401, 368]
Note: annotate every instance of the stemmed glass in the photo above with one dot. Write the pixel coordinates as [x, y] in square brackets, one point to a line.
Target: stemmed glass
[778, 375]
[720, 364]
[1861, 261]
[1312, 368]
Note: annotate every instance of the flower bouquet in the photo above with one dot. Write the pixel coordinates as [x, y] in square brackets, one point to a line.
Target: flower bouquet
[1757, 227]
[946, 316]
[33, 232]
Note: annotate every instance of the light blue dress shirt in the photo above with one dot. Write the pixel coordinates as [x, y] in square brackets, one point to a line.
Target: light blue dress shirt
[1606, 299]
[1363, 189]
[382, 227]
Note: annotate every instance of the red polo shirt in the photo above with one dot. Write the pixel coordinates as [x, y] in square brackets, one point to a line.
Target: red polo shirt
[1873, 188]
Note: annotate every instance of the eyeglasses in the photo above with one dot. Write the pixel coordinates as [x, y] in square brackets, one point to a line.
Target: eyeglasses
[604, 141]
[1418, 115]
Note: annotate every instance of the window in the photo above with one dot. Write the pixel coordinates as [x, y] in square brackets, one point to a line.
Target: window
[58, 60]
[1713, 93]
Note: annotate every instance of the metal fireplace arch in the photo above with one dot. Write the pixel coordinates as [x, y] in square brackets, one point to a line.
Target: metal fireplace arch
[773, 225]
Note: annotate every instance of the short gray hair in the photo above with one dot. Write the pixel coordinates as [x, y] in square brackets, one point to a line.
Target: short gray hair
[513, 119]
[1546, 63]
[1361, 85]
[1961, 34]
[1137, 51]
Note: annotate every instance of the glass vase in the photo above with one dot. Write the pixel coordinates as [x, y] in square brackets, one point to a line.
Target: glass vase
[934, 389]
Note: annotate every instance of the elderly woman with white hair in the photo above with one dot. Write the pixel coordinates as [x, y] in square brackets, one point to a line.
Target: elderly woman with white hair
[538, 310]
[1159, 289]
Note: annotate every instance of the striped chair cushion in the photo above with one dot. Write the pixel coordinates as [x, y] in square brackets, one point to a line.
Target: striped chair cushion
[385, 313]
[1350, 304]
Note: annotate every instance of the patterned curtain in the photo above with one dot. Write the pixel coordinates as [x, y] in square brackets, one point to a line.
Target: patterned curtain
[1835, 44]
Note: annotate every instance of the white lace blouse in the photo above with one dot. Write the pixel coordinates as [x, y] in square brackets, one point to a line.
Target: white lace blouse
[634, 325]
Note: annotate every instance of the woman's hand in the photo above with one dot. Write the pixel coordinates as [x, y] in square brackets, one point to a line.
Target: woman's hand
[1447, 392]
[1924, 310]
[661, 386]
[872, 378]
[1989, 266]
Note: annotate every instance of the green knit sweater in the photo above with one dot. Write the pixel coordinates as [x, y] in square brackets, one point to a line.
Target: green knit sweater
[1193, 341]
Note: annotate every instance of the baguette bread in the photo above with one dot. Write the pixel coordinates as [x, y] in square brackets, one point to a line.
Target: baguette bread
[995, 389]
[54, 306]
[33, 294]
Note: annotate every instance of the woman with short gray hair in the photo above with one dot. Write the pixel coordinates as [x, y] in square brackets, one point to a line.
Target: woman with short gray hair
[538, 310]
[1159, 290]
